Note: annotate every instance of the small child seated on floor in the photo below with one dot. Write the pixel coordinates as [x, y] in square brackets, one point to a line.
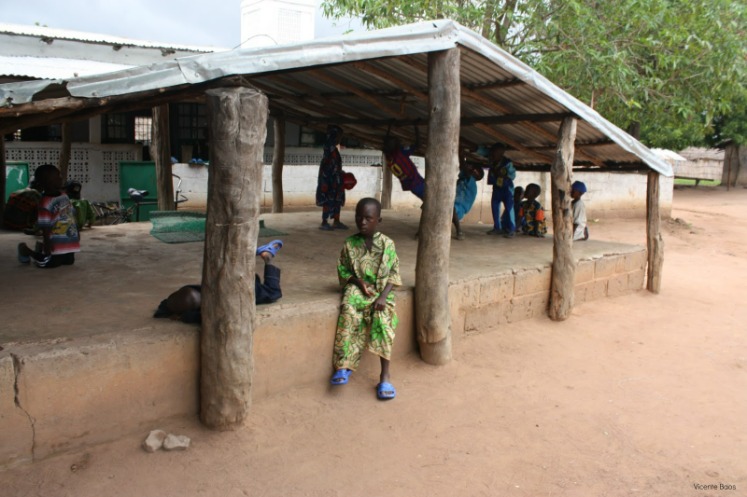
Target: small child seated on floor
[368, 268]
[532, 215]
[56, 220]
[184, 304]
[580, 231]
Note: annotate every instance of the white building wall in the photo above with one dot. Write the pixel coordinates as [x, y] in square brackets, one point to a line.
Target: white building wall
[96, 167]
[276, 22]
[609, 194]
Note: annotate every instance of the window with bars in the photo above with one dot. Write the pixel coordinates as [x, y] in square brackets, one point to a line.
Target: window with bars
[143, 127]
[118, 128]
[309, 137]
[192, 129]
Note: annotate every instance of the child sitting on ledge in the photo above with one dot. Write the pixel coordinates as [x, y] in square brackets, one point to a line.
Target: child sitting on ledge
[368, 268]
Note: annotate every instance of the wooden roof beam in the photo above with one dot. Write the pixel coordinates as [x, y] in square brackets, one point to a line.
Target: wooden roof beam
[339, 83]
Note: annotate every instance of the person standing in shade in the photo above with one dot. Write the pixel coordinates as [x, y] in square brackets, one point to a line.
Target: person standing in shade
[330, 191]
[501, 174]
[466, 193]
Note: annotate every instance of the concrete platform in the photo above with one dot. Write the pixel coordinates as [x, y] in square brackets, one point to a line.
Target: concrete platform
[83, 361]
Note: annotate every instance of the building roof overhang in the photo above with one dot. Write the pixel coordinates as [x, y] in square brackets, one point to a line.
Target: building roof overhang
[373, 84]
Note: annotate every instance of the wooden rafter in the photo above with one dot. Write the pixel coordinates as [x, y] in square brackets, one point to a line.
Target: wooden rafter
[374, 101]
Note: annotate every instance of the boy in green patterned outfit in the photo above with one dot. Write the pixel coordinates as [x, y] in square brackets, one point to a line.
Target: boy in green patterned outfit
[368, 269]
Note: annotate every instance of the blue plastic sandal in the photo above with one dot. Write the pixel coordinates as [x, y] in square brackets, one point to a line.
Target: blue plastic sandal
[385, 391]
[340, 377]
[271, 247]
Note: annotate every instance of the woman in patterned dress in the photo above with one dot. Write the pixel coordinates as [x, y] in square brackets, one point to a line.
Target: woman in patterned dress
[330, 192]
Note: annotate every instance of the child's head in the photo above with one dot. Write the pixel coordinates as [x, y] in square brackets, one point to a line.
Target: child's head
[497, 151]
[518, 193]
[532, 192]
[184, 300]
[477, 172]
[47, 177]
[334, 135]
[72, 188]
[368, 216]
[578, 188]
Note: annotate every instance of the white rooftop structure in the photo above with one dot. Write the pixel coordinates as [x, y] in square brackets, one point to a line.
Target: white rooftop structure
[276, 22]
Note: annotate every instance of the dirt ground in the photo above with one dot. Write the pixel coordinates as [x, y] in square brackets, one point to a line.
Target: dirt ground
[637, 395]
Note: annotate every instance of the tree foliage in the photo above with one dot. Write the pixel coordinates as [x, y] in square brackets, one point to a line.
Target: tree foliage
[671, 65]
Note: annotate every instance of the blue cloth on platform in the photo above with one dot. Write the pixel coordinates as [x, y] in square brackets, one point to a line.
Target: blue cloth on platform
[466, 193]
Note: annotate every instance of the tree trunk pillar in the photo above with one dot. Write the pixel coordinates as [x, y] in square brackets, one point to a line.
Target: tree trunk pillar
[65, 151]
[386, 185]
[278, 159]
[432, 312]
[654, 241]
[237, 123]
[563, 261]
[734, 174]
[160, 151]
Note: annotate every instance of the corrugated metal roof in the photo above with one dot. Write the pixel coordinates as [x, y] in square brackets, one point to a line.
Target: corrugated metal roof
[54, 67]
[65, 34]
[375, 83]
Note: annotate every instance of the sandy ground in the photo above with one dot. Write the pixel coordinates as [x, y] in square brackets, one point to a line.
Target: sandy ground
[637, 395]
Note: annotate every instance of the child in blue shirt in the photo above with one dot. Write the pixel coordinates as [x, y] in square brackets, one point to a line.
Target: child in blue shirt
[466, 193]
[501, 174]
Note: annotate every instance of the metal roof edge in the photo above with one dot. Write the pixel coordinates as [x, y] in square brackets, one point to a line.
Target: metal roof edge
[425, 36]
[412, 38]
[193, 69]
[88, 37]
[474, 41]
[134, 80]
[23, 91]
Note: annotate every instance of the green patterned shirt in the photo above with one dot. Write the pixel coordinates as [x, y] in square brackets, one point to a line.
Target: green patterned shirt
[377, 267]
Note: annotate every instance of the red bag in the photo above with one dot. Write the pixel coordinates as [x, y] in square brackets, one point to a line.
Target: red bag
[349, 181]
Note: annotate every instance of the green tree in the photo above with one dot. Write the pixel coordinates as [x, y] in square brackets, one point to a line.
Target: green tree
[669, 66]
[731, 125]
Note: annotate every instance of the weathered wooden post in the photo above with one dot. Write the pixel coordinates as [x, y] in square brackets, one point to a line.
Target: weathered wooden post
[237, 123]
[654, 241]
[432, 312]
[65, 150]
[160, 151]
[386, 185]
[563, 262]
[278, 159]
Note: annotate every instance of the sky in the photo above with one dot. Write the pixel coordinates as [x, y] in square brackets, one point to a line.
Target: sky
[213, 23]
